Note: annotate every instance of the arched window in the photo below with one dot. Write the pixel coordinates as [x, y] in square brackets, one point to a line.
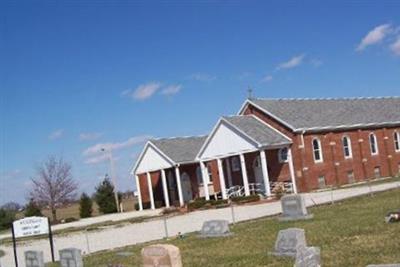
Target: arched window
[347, 147]
[199, 175]
[373, 144]
[396, 137]
[317, 150]
[283, 154]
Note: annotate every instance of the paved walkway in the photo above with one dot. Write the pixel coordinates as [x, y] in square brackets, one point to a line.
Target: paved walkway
[115, 217]
[111, 238]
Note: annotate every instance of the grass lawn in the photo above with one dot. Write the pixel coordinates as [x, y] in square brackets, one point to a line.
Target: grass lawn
[349, 233]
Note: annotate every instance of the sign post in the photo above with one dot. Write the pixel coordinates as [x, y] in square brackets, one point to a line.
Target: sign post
[14, 245]
[31, 226]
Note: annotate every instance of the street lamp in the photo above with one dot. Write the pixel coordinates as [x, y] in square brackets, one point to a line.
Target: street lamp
[113, 177]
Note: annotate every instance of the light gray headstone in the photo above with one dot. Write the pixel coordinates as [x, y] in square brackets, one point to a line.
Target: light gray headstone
[308, 257]
[294, 208]
[161, 255]
[70, 257]
[215, 228]
[34, 258]
[288, 242]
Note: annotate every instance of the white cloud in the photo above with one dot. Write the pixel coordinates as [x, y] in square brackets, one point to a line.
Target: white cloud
[96, 149]
[375, 36]
[143, 91]
[267, 78]
[57, 134]
[395, 47]
[291, 63]
[171, 90]
[316, 62]
[202, 77]
[97, 159]
[89, 136]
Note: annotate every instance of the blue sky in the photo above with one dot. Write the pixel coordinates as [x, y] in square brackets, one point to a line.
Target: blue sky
[76, 77]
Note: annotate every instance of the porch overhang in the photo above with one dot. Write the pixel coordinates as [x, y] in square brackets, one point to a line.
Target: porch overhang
[238, 135]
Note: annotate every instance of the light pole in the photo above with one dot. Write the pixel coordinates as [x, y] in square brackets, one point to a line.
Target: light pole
[113, 177]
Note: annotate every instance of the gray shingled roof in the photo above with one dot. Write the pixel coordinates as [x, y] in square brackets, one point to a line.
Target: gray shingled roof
[180, 149]
[257, 130]
[306, 114]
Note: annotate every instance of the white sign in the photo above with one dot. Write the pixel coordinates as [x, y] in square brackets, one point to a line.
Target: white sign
[31, 226]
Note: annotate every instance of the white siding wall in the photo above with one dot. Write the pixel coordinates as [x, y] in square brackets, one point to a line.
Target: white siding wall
[226, 140]
[152, 160]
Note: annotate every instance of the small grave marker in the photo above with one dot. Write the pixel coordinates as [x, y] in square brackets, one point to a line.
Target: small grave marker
[70, 257]
[294, 208]
[162, 255]
[215, 228]
[308, 257]
[288, 242]
[34, 258]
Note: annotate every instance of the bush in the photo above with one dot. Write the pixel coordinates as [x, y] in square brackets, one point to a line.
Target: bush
[246, 199]
[169, 210]
[32, 209]
[105, 198]
[6, 218]
[202, 203]
[85, 206]
[197, 204]
[158, 204]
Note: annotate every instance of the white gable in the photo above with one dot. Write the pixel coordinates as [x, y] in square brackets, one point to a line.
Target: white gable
[226, 140]
[152, 160]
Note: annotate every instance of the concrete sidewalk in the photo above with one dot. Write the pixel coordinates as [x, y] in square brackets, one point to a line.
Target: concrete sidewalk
[114, 217]
[111, 238]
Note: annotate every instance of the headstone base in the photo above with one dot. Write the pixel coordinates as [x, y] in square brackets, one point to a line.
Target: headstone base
[295, 218]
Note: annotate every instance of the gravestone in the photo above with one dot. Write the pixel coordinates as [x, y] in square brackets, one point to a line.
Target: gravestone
[215, 228]
[294, 208]
[34, 258]
[161, 255]
[308, 257]
[288, 242]
[70, 257]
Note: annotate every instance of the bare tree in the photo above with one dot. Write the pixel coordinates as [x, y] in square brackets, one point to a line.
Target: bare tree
[53, 184]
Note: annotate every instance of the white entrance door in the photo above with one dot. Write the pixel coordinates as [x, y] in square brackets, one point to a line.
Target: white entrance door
[258, 174]
[186, 187]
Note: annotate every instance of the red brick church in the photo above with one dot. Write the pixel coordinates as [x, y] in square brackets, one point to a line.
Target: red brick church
[296, 144]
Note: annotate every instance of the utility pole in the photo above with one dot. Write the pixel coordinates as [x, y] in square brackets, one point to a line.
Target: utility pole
[113, 177]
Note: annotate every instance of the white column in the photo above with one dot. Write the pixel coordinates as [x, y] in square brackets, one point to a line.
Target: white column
[206, 179]
[291, 169]
[165, 189]
[179, 185]
[228, 166]
[244, 175]
[139, 193]
[264, 168]
[150, 191]
[221, 179]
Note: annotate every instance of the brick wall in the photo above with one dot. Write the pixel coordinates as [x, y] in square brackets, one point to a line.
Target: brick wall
[335, 168]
